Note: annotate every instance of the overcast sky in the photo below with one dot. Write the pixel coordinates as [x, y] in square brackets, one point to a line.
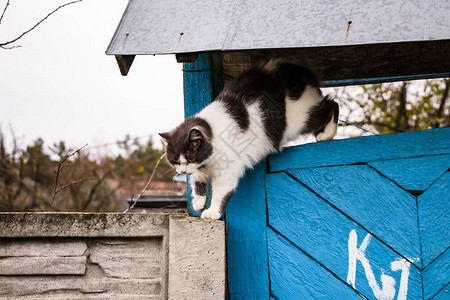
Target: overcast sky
[60, 84]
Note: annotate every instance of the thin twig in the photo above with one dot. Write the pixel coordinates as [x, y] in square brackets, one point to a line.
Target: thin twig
[12, 47]
[83, 205]
[4, 10]
[72, 183]
[2, 45]
[146, 186]
[61, 166]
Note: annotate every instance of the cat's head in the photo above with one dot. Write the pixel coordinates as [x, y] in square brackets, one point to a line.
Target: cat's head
[189, 145]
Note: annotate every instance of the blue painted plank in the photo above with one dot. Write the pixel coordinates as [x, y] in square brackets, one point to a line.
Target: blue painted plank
[363, 149]
[434, 218]
[414, 174]
[437, 275]
[444, 294]
[293, 275]
[374, 202]
[323, 232]
[202, 82]
[246, 218]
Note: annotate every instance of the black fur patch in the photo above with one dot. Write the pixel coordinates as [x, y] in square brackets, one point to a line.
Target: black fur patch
[200, 188]
[271, 90]
[296, 78]
[320, 115]
[235, 108]
[225, 200]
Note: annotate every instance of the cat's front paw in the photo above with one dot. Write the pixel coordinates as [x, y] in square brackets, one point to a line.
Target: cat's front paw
[211, 213]
[328, 133]
[198, 202]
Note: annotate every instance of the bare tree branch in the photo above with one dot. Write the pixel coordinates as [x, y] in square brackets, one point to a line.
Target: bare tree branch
[2, 45]
[61, 166]
[146, 186]
[4, 10]
[70, 184]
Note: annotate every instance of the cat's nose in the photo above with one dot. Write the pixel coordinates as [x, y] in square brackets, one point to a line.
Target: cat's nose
[182, 170]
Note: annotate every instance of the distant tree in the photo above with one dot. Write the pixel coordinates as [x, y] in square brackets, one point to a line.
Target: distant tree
[60, 150]
[36, 166]
[397, 107]
[134, 169]
[27, 176]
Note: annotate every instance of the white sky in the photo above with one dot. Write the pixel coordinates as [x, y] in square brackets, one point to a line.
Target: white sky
[60, 85]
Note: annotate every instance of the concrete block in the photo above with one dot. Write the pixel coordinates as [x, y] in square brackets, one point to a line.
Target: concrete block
[82, 225]
[43, 265]
[111, 256]
[14, 247]
[196, 258]
[38, 286]
[140, 259]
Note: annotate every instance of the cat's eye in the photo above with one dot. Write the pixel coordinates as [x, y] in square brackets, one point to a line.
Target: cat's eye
[174, 162]
[191, 160]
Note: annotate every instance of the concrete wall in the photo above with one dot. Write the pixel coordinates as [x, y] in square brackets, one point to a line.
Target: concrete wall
[110, 256]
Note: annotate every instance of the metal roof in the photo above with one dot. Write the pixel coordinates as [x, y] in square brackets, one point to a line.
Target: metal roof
[174, 26]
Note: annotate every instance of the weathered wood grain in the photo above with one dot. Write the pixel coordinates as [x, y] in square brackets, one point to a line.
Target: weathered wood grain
[363, 149]
[414, 174]
[434, 218]
[293, 275]
[201, 82]
[125, 62]
[443, 294]
[322, 232]
[373, 201]
[436, 275]
[356, 64]
[246, 218]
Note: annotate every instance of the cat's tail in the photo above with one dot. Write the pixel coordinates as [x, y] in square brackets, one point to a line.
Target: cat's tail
[328, 110]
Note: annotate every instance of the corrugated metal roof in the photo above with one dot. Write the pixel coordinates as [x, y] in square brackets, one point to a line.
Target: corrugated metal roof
[174, 26]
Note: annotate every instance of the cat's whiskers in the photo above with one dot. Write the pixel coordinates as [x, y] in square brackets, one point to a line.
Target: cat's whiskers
[173, 170]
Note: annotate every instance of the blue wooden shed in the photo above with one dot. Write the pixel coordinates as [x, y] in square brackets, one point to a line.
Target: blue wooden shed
[362, 218]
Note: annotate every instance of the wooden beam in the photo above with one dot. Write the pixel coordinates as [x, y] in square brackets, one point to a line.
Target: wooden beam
[202, 81]
[347, 65]
[247, 262]
[125, 62]
[186, 57]
[363, 149]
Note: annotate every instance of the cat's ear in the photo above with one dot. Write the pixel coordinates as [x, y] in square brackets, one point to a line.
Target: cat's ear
[195, 135]
[166, 136]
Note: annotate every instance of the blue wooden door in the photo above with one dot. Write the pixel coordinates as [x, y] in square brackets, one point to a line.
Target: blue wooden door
[359, 218]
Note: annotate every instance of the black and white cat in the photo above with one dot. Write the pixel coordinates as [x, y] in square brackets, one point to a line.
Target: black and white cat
[253, 116]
